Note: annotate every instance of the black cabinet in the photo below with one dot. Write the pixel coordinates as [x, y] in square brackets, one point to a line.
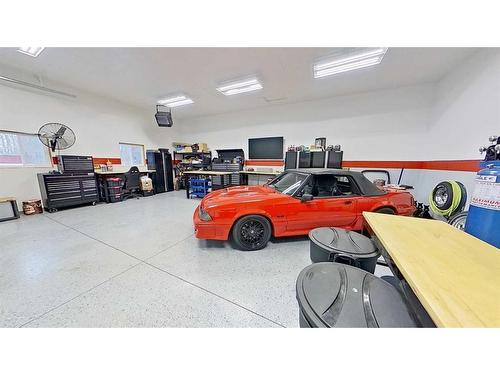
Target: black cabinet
[291, 159]
[67, 190]
[304, 159]
[314, 159]
[335, 159]
[161, 161]
[318, 159]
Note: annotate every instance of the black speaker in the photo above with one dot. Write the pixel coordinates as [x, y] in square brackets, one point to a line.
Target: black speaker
[318, 159]
[305, 160]
[335, 159]
[164, 119]
[291, 159]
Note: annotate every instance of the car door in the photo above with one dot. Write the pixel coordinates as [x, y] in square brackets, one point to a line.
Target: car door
[340, 208]
[330, 206]
[302, 216]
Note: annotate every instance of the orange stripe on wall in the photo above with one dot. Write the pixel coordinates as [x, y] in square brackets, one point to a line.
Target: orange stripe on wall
[438, 165]
[98, 161]
[452, 165]
[265, 162]
[380, 164]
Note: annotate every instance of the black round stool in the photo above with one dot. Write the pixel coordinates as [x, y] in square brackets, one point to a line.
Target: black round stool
[332, 295]
[343, 246]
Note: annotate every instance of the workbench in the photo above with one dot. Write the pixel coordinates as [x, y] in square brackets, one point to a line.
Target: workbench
[225, 178]
[108, 173]
[455, 276]
[102, 182]
[245, 174]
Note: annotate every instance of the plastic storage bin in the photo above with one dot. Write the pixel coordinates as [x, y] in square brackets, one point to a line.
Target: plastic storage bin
[343, 246]
[199, 187]
[333, 295]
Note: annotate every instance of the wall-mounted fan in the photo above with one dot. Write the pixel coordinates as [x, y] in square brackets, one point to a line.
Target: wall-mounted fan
[56, 136]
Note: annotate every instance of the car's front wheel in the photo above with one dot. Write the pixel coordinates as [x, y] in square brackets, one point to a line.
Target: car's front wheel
[251, 232]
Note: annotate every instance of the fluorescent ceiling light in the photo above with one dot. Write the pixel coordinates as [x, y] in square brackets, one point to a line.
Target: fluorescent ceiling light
[347, 62]
[175, 101]
[239, 87]
[31, 51]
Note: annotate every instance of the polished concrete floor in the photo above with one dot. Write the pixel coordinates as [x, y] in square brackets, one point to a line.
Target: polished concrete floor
[138, 264]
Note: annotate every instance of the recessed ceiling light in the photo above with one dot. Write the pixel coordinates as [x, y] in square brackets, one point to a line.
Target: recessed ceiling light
[31, 51]
[175, 101]
[353, 60]
[239, 87]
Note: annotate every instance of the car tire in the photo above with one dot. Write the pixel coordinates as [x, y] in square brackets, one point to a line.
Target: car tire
[458, 220]
[463, 199]
[251, 232]
[442, 195]
[385, 210]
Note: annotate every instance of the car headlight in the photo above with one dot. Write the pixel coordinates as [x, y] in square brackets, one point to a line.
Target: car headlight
[203, 215]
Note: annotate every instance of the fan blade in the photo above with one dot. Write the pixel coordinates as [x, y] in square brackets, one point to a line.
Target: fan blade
[60, 132]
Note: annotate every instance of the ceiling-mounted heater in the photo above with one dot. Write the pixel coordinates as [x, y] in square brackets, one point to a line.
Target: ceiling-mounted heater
[34, 86]
[163, 119]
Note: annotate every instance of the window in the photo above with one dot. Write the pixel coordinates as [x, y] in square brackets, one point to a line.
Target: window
[132, 154]
[288, 183]
[328, 185]
[23, 150]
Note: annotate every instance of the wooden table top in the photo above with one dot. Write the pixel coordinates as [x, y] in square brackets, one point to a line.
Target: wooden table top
[261, 173]
[455, 276]
[7, 199]
[208, 173]
[123, 172]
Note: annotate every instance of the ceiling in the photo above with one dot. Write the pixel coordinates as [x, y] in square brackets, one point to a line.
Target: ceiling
[140, 76]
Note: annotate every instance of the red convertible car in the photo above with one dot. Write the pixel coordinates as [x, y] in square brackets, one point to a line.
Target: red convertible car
[292, 204]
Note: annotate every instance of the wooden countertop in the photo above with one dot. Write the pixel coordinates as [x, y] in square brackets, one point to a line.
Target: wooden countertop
[261, 173]
[122, 172]
[455, 276]
[207, 173]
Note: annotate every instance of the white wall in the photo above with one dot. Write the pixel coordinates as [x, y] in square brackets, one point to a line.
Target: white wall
[382, 125]
[360, 123]
[99, 124]
[465, 113]
[466, 110]
[449, 120]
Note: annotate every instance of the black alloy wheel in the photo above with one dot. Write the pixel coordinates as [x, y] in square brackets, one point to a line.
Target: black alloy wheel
[252, 232]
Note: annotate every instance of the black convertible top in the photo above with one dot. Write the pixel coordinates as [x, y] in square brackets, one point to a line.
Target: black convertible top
[365, 185]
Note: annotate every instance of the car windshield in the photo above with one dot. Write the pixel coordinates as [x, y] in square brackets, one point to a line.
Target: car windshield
[288, 183]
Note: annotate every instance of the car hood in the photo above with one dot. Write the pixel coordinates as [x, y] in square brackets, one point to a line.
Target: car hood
[239, 194]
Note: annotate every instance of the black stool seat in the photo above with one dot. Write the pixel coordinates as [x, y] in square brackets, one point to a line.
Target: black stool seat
[343, 246]
[332, 295]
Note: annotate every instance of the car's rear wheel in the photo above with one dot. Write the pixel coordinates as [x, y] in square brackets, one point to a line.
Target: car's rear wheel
[251, 232]
[385, 210]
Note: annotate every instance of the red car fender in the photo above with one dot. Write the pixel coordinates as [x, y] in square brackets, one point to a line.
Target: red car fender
[254, 211]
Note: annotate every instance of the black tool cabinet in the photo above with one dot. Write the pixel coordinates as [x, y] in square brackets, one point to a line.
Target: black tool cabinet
[315, 159]
[228, 160]
[67, 190]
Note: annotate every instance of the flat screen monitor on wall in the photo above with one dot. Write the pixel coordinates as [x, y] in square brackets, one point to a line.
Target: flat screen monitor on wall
[265, 148]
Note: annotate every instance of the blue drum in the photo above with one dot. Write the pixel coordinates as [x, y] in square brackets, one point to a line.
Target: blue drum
[483, 220]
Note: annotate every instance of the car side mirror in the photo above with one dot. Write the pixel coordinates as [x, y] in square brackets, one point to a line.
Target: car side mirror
[306, 197]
